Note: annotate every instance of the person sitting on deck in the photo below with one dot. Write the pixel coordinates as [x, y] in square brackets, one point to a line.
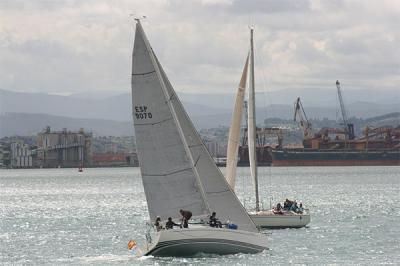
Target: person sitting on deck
[300, 209]
[287, 205]
[293, 207]
[157, 224]
[170, 224]
[214, 222]
[186, 215]
[278, 209]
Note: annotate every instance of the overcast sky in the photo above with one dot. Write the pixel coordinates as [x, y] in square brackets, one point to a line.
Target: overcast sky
[68, 46]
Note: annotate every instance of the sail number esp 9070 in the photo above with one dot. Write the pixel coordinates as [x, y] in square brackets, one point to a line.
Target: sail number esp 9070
[141, 112]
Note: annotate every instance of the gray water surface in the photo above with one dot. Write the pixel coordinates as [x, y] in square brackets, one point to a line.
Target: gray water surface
[60, 216]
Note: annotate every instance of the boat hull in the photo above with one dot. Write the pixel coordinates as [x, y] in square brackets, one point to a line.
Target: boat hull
[208, 240]
[334, 158]
[289, 220]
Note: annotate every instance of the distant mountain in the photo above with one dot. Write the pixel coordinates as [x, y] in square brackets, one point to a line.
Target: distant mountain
[31, 124]
[206, 110]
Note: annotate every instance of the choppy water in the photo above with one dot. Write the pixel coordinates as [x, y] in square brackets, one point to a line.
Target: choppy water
[61, 216]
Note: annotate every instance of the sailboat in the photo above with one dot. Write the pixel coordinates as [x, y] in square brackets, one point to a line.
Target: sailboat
[178, 172]
[262, 218]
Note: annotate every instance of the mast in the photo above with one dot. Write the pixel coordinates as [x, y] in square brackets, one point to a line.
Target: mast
[252, 124]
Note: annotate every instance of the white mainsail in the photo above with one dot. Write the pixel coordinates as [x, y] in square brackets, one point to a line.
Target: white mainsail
[251, 140]
[177, 170]
[234, 130]
[168, 178]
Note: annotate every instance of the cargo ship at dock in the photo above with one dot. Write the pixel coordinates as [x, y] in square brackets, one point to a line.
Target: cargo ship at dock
[339, 146]
[335, 157]
[336, 146]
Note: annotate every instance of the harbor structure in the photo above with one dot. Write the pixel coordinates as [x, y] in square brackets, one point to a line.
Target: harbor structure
[64, 148]
[21, 155]
[340, 146]
[4, 155]
[114, 159]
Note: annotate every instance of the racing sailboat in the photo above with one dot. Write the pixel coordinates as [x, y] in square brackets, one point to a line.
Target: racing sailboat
[177, 170]
[262, 218]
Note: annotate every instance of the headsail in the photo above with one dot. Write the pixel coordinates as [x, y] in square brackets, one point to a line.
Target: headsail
[209, 190]
[234, 130]
[168, 178]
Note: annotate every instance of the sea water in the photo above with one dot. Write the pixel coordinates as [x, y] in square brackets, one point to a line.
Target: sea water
[61, 216]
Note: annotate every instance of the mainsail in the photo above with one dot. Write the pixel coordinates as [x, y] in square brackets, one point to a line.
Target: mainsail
[169, 181]
[234, 130]
[184, 175]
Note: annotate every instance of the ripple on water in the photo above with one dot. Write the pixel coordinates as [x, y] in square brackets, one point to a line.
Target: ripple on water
[58, 216]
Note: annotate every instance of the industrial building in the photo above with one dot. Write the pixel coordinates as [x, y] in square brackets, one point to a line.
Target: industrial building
[4, 155]
[64, 148]
[21, 155]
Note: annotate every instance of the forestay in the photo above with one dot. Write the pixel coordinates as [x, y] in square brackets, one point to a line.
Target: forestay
[211, 192]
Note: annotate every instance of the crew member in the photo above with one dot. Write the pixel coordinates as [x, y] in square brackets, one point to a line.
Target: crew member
[214, 222]
[186, 215]
[157, 224]
[170, 224]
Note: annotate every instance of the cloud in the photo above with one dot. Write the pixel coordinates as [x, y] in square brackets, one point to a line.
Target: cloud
[71, 46]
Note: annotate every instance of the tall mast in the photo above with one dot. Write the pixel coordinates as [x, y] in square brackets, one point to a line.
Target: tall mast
[252, 124]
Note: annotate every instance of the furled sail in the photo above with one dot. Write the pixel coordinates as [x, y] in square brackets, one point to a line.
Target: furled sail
[185, 167]
[252, 123]
[169, 181]
[234, 130]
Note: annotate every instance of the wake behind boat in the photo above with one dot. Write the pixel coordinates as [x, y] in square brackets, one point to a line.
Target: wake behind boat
[177, 170]
[275, 218]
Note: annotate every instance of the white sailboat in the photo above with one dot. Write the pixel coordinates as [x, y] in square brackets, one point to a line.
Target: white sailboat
[262, 218]
[177, 170]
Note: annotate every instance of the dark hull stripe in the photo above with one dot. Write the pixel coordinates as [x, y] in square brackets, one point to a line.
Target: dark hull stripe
[177, 243]
[298, 162]
[283, 227]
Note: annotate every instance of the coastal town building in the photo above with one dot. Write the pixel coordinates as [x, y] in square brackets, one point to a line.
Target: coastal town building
[21, 155]
[64, 148]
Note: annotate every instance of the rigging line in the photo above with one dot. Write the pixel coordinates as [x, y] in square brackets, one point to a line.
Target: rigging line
[171, 97]
[141, 74]
[195, 163]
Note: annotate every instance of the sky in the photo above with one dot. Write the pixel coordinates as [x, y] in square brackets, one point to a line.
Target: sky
[68, 46]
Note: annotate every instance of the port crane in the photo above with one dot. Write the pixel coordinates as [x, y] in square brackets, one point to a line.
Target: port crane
[348, 127]
[300, 115]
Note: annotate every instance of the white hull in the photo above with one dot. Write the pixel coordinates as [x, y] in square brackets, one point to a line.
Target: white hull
[203, 239]
[267, 219]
